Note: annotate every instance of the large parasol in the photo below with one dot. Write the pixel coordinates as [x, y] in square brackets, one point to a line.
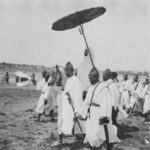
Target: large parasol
[78, 19]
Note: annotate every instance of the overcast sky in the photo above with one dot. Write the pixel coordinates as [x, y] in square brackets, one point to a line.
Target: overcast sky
[119, 38]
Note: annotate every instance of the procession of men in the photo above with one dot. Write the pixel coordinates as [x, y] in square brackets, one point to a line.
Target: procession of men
[90, 103]
[75, 74]
[93, 113]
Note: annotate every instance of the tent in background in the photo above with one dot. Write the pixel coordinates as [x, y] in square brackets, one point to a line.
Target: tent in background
[22, 79]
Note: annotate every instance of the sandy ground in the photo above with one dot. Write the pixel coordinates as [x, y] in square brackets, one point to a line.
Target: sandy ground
[20, 131]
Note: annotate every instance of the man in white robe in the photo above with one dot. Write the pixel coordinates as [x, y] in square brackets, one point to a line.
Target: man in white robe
[121, 88]
[138, 98]
[59, 116]
[43, 97]
[115, 96]
[146, 107]
[101, 106]
[73, 92]
[117, 111]
[128, 90]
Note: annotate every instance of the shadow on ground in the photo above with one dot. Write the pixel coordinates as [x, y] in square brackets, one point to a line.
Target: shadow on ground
[125, 131]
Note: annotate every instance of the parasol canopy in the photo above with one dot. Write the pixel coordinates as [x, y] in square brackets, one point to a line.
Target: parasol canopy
[78, 18]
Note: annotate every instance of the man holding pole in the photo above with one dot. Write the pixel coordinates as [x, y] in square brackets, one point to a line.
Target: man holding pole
[71, 104]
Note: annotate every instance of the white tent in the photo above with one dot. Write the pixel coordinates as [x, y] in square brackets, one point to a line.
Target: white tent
[22, 79]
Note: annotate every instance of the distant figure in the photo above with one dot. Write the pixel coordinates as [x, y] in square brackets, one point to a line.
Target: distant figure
[2, 78]
[17, 79]
[138, 98]
[128, 91]
[33, 79]
[7, 77]
[125, 78]
[146, 107]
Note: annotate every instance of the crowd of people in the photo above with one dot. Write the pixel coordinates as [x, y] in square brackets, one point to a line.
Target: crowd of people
[92, 114]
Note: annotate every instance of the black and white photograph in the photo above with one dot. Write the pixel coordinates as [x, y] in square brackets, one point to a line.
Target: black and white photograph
[74, 74]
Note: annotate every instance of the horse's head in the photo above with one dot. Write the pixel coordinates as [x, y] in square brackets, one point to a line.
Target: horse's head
[57, 77]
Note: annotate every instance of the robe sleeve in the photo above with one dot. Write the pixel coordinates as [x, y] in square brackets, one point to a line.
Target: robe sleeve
[104, 100]
[46, 92]
[77, 96]
[86, 104]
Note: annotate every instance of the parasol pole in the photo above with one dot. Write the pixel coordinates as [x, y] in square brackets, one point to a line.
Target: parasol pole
[82, 32]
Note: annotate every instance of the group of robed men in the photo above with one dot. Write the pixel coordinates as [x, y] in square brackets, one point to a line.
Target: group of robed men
[92, 116]
[47, 100]
[135, 94]
[92, 113]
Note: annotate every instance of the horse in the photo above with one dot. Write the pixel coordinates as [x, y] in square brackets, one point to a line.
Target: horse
[57, 77]
[56, 82]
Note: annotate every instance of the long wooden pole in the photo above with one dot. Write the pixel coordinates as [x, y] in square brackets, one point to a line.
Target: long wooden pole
[82, 32]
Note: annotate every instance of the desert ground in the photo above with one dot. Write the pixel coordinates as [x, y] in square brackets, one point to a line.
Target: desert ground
[20, 131]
